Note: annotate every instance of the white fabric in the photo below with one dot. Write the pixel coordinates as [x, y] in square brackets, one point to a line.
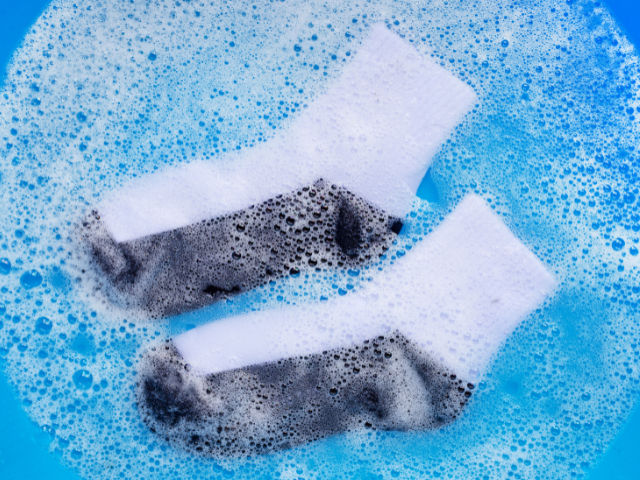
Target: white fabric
[374, 132]
[459, 294]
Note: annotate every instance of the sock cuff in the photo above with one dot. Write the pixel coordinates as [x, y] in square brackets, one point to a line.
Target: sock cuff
[374, 132]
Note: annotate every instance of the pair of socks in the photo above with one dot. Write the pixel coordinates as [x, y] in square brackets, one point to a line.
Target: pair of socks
[330, 192]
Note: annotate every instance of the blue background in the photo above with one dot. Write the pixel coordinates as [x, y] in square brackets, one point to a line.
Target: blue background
[22, 454]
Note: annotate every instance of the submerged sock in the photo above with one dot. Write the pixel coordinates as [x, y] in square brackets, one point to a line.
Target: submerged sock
[172, 272]
[447, 306]
[187, 237]
[385, 383]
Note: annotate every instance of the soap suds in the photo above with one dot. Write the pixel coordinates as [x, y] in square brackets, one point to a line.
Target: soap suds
[96, 98]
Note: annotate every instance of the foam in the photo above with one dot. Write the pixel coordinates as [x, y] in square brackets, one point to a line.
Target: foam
[458, 294]
[316, 227]
[562, 379]
[386, 383]
[374, 132]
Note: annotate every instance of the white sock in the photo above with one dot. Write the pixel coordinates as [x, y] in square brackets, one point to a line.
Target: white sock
[374, 132]
[458, 294]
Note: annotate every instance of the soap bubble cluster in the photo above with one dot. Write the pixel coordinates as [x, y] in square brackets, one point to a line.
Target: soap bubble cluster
[381, 384]
[314, 228]
[103, 92]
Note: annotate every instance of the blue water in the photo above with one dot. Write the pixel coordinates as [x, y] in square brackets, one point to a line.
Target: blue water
[24, 451]
[23, 445]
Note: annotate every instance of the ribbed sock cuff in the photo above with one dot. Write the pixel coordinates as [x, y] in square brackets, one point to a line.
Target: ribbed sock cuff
[374, 132]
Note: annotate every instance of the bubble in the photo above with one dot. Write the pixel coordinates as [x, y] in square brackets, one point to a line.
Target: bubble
[45, 435]
[152, 56]
[5, 266]
[505, 43]
[288, 393]
[617, 244]
[43, 325]
[82, 379]
[31, 279]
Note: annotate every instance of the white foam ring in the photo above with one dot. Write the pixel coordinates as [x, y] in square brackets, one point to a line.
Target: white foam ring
[458, 294]
[374, 132]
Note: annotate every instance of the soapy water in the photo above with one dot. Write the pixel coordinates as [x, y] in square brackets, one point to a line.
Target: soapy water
[99, 94]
